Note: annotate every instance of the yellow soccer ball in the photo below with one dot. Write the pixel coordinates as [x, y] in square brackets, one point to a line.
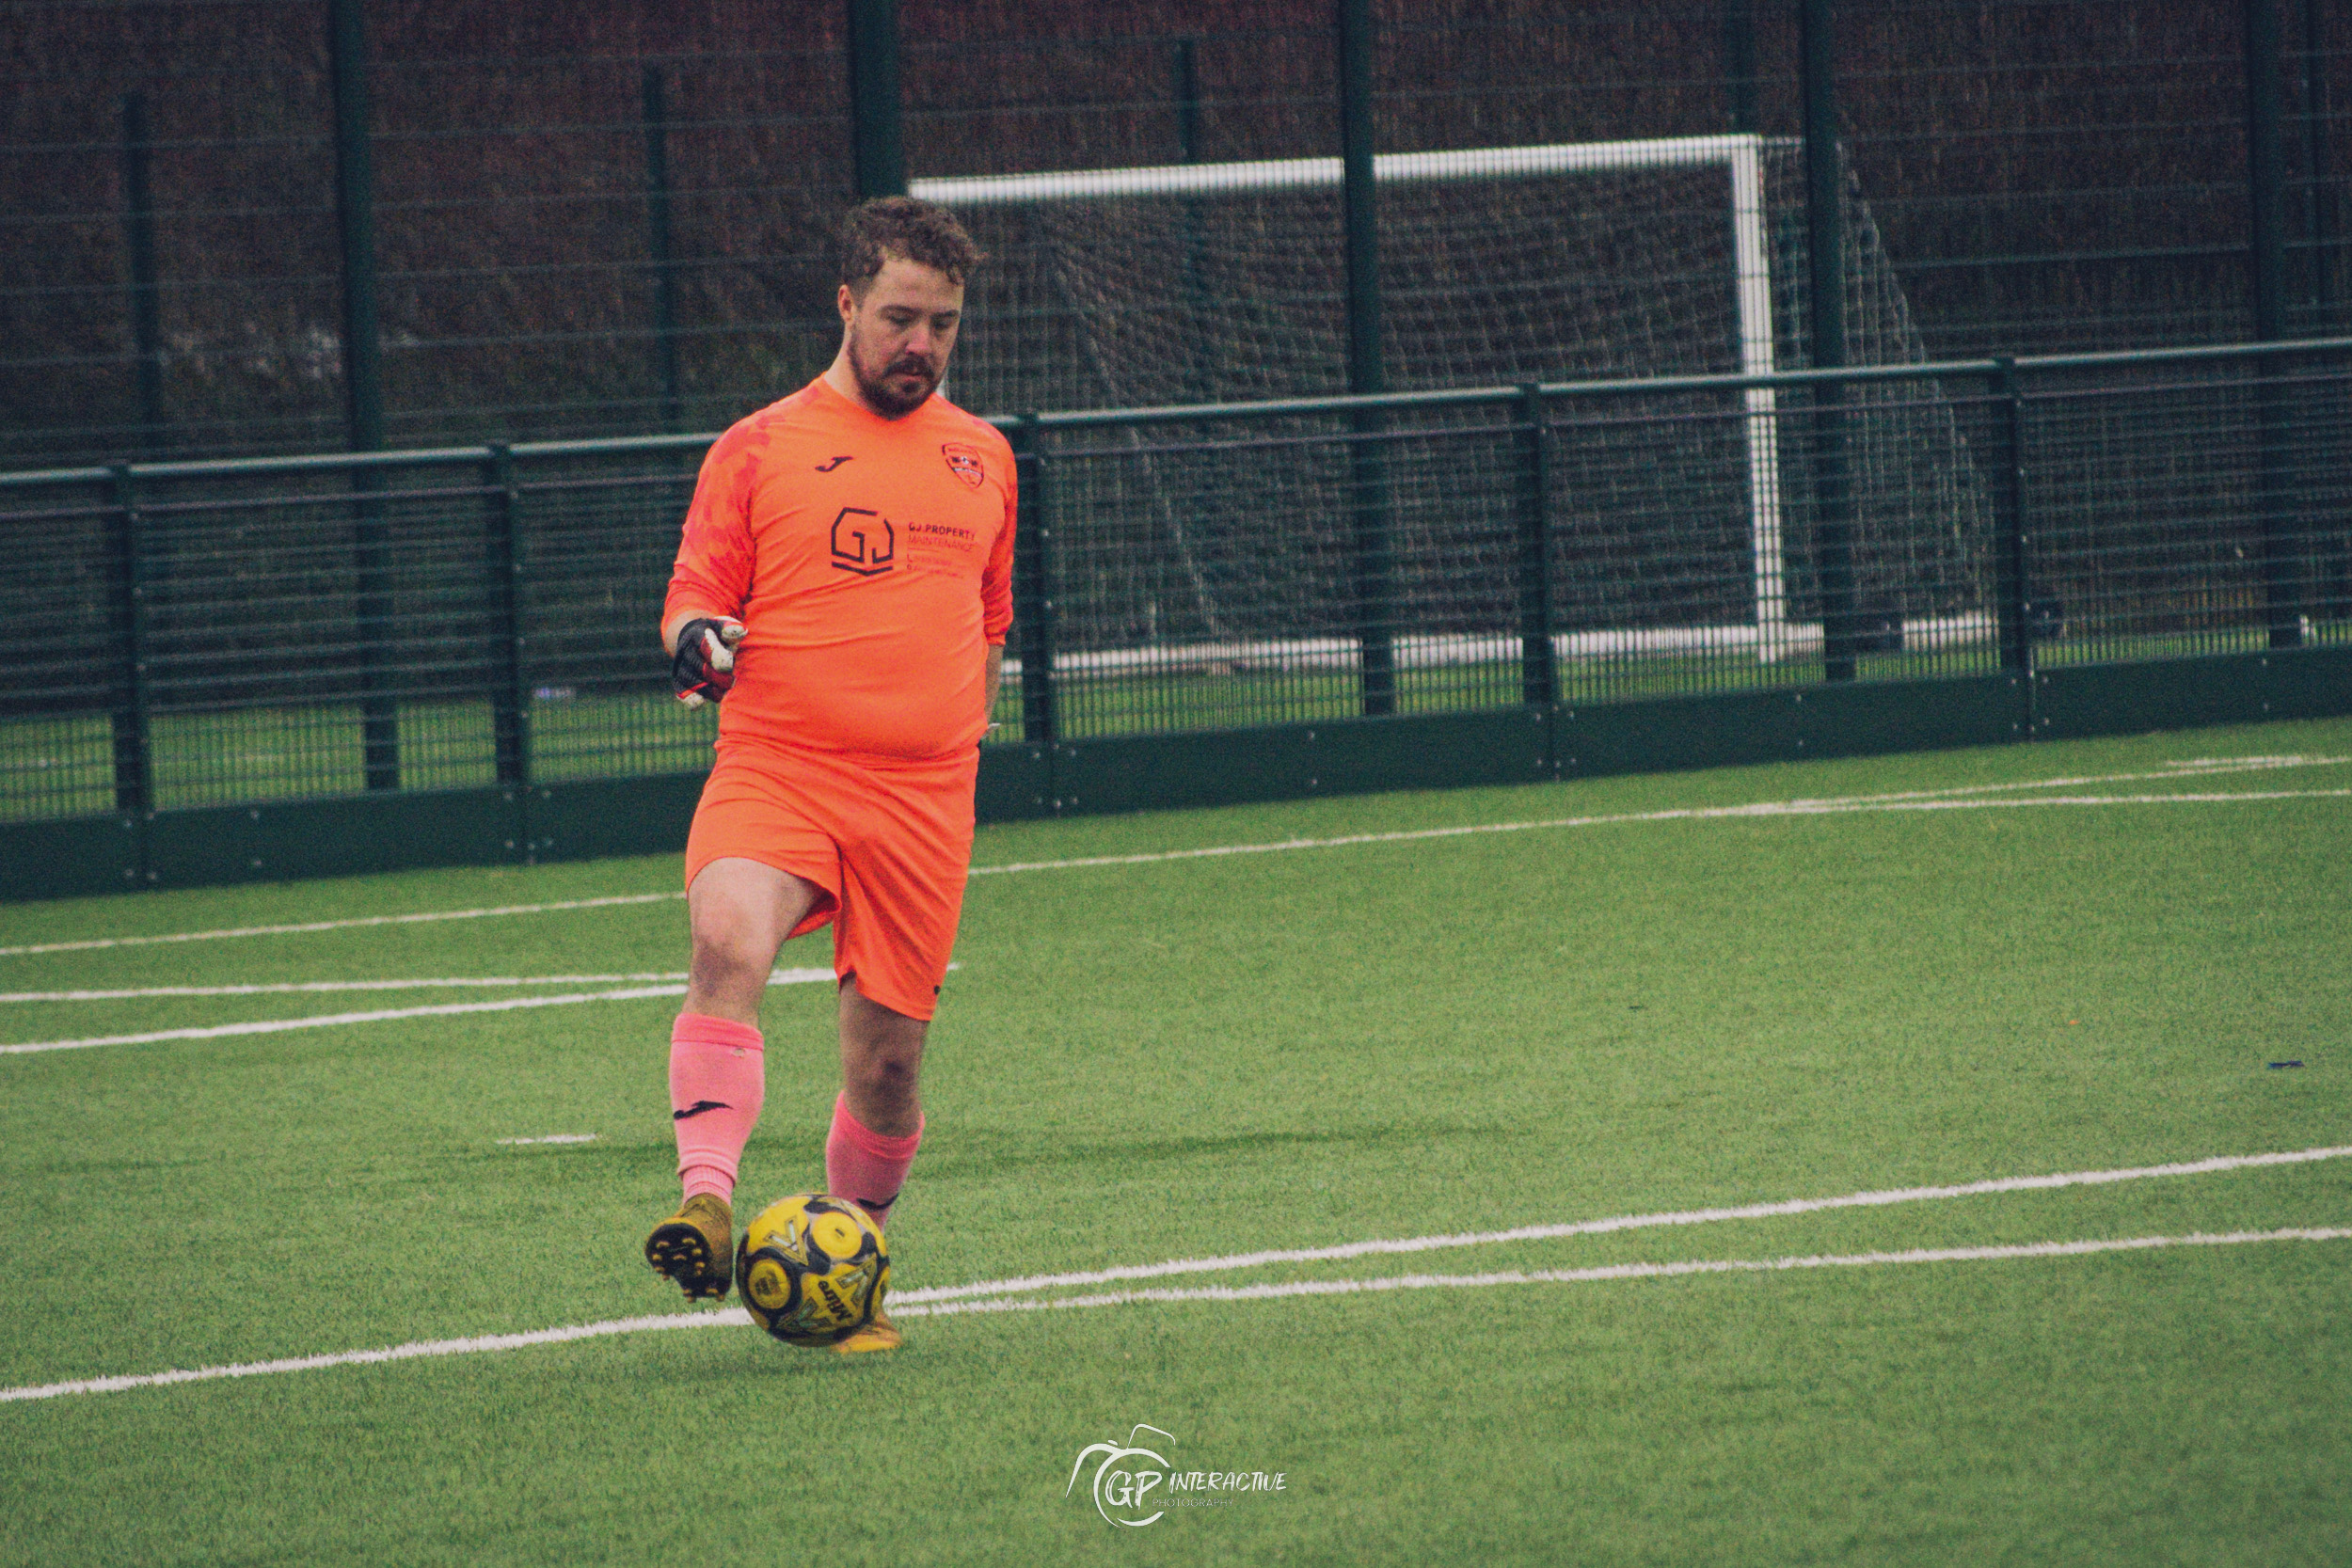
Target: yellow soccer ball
[812, 1269]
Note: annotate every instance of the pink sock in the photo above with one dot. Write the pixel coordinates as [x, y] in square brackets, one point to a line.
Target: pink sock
[718, 1076]
[863, 1166]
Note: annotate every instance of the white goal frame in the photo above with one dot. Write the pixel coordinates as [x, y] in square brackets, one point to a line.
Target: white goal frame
[1741, 156]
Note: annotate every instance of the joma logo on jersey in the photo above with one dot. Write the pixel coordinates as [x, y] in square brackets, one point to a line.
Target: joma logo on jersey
[864, 541]
[965, 462]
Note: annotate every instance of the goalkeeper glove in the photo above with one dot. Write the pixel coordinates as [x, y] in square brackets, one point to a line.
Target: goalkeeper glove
[702, 670]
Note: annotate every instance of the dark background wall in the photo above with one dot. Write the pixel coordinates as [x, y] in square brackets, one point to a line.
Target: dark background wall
[2049, 176]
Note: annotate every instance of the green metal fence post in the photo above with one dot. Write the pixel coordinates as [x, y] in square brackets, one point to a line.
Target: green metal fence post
[2265, 159]
[1188, 99]
[1032, 589]
[2283, 567]
[1540, 674]
[139, 217]
[2332, 586]
[1185, 85]
[2013, 602]
[355, 208]
[2319, 214]
[1824, 200]
[372, 616]
[875, 137]
[1370, 506]
[363, 386]
[1368, 477]
[658, 246]
[510, 708]
[134, 792]
[1739, 66]
[1198, 380]
[2277, 521]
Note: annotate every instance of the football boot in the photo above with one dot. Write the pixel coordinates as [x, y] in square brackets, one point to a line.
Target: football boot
[695, 1246]
[878, 1335]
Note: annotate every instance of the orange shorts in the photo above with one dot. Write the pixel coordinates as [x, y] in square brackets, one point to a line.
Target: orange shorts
[889, 845]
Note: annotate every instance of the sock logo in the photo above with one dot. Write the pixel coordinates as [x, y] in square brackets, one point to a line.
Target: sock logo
[699, 1107]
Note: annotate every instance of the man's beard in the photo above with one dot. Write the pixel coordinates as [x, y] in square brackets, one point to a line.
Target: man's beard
[891, 400]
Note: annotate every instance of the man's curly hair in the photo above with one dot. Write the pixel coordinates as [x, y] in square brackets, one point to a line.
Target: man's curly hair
[888, 226]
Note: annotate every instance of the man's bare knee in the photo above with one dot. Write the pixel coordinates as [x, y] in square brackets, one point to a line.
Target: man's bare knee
[881, 1062]
[889, 1077]
[739, 913]
[732, 955]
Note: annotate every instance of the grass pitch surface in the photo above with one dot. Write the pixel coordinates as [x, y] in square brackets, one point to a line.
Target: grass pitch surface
[1194, 1057]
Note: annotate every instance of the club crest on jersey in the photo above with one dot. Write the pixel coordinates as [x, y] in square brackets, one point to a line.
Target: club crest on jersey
[863, 542]
[965, 462]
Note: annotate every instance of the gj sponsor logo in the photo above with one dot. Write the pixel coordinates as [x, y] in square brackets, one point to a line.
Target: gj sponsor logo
[863, 542]
[1134, 1485]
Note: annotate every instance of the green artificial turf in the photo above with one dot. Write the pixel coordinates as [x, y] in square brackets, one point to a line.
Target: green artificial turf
[1206, 1055]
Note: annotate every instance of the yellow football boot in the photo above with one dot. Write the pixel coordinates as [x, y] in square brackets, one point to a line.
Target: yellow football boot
[695, 1246]
[877, 1334]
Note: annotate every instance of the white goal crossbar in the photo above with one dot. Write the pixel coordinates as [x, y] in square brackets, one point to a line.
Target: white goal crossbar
[1741, 156]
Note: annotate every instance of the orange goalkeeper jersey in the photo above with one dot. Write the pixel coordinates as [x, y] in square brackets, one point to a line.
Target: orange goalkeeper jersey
[870, 562]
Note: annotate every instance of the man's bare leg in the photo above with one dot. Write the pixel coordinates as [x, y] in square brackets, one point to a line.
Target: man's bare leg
[881, 1058]
[739, 913]
[877, 1123]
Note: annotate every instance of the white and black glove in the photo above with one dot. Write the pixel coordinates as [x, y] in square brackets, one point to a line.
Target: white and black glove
[702, 669]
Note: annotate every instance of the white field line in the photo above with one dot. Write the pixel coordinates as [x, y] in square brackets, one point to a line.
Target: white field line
[1624, 1221]
[2281, 760]
[443, 1009]
[555, 1138]
[329, 1020]
[1616, 1271]
[304, 987]
[736, 1317]
[2195, 767]
[86, 943]
[1689, 814]
[1797, 807]
[411, 1352]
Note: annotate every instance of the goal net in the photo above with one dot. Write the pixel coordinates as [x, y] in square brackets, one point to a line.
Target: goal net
[1680, 524]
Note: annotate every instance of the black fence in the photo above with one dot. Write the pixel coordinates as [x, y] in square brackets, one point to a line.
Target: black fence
[282, 225]
[472, 629]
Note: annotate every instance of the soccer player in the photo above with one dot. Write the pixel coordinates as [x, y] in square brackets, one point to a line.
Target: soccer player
[845, 583]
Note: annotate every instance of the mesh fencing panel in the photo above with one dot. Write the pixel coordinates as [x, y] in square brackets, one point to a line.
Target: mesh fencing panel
[2170, 503]
[61, 607]
[307, 630]
[1223, 574]
[596, 546]
[1653, 576]
[316, 639]
[1202, 583]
